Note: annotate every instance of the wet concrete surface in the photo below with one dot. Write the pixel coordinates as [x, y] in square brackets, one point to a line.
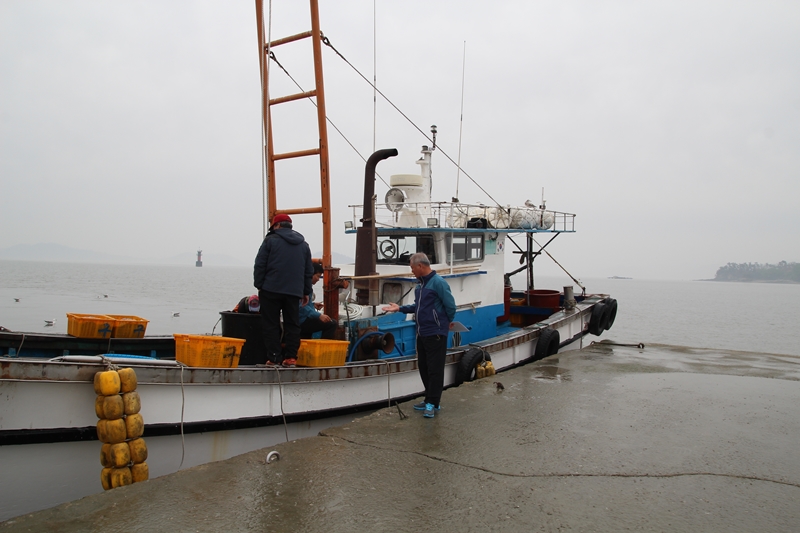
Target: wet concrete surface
[608, 438]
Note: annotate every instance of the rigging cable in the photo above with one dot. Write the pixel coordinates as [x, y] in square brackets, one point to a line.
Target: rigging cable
[275, 59]
[541, 249]
[461, 121]
[327, 43]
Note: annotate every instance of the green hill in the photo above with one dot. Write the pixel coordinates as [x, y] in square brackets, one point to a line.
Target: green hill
[783, 272]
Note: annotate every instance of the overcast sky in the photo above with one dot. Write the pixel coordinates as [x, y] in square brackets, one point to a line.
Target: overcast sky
[672, 128]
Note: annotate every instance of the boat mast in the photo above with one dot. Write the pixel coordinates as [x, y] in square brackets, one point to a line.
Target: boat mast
[318, 92]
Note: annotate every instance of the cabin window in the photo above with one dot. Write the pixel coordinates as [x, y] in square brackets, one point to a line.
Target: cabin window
[398, 249]
[465, 248]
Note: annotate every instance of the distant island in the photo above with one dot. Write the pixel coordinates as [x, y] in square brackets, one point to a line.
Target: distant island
[783, 272]
[618, 277]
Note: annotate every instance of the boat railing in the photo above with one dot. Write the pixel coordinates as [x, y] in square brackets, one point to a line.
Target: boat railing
[452, 215]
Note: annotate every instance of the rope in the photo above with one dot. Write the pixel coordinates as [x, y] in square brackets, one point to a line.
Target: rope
[639, 345]
[215, 325]
[19, 350]
[280, 390]
[388, 383]
[328, 43]
[183, 404]
[389, 392]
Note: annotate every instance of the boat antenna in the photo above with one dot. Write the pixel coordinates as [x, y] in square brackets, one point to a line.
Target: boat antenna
[374, 75]
[461, 122]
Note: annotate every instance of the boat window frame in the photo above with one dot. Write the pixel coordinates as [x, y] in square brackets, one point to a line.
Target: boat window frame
[473, 245]
[424, 242]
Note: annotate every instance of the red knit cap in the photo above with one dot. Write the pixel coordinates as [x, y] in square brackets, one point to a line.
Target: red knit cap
[281, 217]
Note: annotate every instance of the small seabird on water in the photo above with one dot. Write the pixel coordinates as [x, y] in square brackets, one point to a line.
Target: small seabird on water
[16, 299]
[105, 296]
[175, 314]
[48, 323]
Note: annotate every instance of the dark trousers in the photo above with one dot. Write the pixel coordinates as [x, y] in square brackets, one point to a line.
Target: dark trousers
[313, 324]
[272, 304]
[430, 360]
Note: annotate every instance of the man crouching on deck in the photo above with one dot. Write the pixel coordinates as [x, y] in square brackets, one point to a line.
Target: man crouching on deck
[435, 309]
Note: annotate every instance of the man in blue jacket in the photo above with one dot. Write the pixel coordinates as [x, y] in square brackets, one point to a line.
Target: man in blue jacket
[435, 309]
[282, 274]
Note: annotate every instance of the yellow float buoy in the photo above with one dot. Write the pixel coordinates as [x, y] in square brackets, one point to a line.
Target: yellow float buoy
[112, 431]
[121, 477]
[132, 403]
[105, 478]
[120, 454]
[98, 406]
[105, 458]
[127, 378]
[113, 407]
[134, 426]
[106, 383]
[138, 450]
[140, 472]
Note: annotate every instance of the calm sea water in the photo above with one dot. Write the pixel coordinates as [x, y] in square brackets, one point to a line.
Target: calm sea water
[740, 316]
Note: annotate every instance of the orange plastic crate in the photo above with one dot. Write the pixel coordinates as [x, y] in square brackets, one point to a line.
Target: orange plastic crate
[316, 352]
[129, 326]
[90, 326]
[208, 351]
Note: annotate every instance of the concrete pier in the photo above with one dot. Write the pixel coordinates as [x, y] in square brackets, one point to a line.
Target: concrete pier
[608, 438]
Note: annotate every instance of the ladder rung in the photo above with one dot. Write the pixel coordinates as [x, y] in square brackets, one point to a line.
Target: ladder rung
[290, 39]
[301, 153]
[292, 97]
[300, 210]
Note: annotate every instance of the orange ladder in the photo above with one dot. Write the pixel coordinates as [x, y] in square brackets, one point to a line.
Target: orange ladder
[331, 275]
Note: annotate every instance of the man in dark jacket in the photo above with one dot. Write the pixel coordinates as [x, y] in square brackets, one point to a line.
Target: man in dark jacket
[282, 274]
[434, 308]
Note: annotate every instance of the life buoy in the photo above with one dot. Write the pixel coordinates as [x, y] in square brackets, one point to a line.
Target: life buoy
[612, 312]
[549, 340]
[465, 371]
[596, 321]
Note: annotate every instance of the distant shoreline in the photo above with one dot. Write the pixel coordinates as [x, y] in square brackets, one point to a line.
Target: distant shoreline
[778, 281]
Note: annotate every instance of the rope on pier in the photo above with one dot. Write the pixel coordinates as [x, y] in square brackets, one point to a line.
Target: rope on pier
[609, 343]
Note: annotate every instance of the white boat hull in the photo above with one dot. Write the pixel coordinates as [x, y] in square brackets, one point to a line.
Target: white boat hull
[47, 419]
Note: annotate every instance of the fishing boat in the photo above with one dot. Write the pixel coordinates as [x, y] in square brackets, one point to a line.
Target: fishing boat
[197, 414]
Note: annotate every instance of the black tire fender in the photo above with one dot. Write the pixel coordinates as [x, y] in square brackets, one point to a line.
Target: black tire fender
[612, 312]
[548, 343]
[596, 321]
[465, 371]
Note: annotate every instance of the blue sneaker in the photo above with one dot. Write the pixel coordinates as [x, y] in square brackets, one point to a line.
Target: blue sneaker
[421, 406]
[429, 411]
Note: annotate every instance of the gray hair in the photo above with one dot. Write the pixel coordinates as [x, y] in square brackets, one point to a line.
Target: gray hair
[419, 259]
